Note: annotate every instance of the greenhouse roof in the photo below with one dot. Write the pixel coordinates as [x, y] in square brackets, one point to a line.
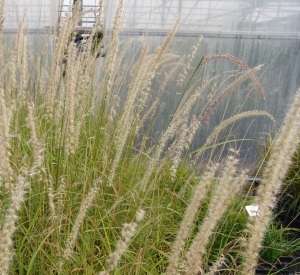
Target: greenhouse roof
[244, 16]
[212, 17]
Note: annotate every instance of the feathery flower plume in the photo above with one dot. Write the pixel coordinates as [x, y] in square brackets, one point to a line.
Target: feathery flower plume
[185, 140]
[101, 11]
[217, 265]
[117, 75]
[189, 101]
[2, 6]
[241, 64]
[19, 47]
[80, 84]
[37, 146]
[179, 148]
[150, 112]
[9, 225]
[31, 123]
[134, 91]
[70, 98]
[153, 66]
[22, 88]
[85, 205]
[225, 190]
[186, 225]
[284, 147]
[127, 118]
[52, 207]
[231, 120]
[5, 119]
[189, 60]
[177, 121]
[113, 51]
[37, 165]
[12, 75]
[60, 198]
[128, 231]
[168, 61]
[229, 89]
[168, 76]
[65, 35]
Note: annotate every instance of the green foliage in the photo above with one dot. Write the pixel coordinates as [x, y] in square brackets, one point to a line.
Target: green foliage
[279, 241]
[229, 233]
[288, 205]
[90, 128]
[291, 188]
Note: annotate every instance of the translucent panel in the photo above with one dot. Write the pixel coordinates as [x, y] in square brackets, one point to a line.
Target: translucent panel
[37, 14]
[40, 18]
[257, 16]
[258, 33]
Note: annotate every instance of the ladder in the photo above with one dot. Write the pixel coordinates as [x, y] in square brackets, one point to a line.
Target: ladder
[85, 26]
[89, 18]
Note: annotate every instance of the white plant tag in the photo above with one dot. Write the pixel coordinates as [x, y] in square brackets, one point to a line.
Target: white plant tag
[253, 210]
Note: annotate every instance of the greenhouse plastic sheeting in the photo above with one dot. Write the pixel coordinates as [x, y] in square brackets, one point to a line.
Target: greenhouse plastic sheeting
[37, 14]
[260, 33]
[263, 17]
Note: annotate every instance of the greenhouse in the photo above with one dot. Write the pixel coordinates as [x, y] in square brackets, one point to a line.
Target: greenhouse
[150, 137]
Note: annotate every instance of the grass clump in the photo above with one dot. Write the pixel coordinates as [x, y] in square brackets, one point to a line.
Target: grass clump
[86, 185]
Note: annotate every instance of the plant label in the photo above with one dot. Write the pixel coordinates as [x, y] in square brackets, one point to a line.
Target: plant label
[253, 210]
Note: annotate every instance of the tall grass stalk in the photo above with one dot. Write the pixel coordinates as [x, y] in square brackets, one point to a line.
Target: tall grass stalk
[187, 222]
[74, 115]
[6, 171]
[283, 149]
[9, 225]
[128, 231]
[224, 192]
[85, 205]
